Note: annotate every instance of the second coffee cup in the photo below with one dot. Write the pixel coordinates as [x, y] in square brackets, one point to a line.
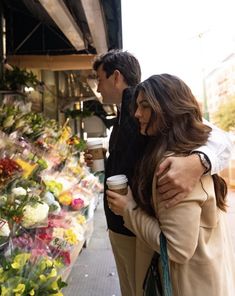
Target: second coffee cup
[95, 148]
[118, 183]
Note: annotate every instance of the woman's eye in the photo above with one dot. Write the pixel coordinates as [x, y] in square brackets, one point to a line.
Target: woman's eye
[145, 105]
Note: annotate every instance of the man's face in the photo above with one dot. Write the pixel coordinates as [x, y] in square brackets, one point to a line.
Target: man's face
[106, 86]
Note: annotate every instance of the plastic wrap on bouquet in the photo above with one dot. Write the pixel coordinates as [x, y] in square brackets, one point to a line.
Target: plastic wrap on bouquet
[21, 204]
[63, 234]
[28, 267]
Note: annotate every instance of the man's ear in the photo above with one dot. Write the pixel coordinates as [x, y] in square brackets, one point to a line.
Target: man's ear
[117, 75]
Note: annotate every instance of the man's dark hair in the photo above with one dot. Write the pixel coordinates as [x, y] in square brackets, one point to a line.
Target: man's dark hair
[122, 61]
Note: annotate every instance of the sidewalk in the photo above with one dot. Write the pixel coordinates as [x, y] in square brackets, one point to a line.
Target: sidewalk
[94, 273]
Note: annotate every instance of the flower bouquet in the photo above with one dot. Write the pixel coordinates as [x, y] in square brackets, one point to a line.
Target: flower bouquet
[63, 234]
[76, 144]
[21, 205]
[8, 170]
[30, 273]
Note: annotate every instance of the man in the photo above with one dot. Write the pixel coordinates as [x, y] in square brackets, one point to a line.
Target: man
[118, 73]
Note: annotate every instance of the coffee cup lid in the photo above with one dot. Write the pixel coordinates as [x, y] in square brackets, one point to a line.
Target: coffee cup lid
[117, 179]
[92, 143]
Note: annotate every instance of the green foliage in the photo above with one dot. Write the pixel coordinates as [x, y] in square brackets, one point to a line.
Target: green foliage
[78, 113]
[17, 78]
[30, 125]
[23, 274]
[225, 116]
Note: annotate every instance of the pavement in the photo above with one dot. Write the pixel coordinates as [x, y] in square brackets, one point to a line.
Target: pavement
[94, 273]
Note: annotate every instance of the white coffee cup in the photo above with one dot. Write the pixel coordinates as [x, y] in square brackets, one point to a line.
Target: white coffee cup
[118, 183]
[95, 148]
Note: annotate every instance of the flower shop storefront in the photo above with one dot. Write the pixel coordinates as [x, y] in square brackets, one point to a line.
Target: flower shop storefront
[47, 201]
[47, 193]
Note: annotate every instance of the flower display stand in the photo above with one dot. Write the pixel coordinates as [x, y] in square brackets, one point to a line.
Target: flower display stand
[74, 255]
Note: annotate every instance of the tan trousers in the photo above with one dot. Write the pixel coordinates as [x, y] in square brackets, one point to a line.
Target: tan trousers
[132, 258]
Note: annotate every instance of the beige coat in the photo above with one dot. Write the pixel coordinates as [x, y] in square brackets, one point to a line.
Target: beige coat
[200, 250]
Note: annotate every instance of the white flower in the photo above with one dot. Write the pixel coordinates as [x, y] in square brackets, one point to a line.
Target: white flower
[57, 207]
[4, 229]
[49, 198]
[3, 199]
[19, 191]
[58, 232]
[35, 214]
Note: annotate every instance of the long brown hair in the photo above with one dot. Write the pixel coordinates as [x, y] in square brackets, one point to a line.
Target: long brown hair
[180, 129]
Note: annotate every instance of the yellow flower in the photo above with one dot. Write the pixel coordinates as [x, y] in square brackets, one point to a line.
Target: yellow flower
[20, 260]
[49, 263]
[2, 277]
[77, 170]
[58, 264]
[42, 277]
[31, 293]
[76, 141]
[58, 294]
[26, 167]
[15, 265]
[81, 219]
[42, 265]
[66, 133]
[54, 286]
[4, 291]
[70, 237]
[65, 198]
[53, 273]
[19, 290]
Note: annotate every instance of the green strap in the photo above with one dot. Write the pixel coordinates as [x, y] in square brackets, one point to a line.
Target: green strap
[167, 288]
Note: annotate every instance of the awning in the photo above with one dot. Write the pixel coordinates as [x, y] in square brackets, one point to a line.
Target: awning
[59, 27]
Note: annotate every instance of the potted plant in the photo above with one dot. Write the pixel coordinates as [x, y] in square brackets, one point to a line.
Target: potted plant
[17, 79]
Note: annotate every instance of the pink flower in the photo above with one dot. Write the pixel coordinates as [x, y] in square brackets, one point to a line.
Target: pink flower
[66, 257]
[46, 237]
[77, 204]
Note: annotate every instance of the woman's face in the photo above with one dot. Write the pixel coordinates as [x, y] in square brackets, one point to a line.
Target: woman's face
[143, 114]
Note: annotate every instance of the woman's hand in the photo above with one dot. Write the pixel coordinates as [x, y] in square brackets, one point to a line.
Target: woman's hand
[117, 202]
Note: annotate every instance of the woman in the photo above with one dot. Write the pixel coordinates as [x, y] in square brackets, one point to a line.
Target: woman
[200, 252]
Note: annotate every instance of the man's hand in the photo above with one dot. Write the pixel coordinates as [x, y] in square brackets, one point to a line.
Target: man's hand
[177, 177]
[88, 158]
